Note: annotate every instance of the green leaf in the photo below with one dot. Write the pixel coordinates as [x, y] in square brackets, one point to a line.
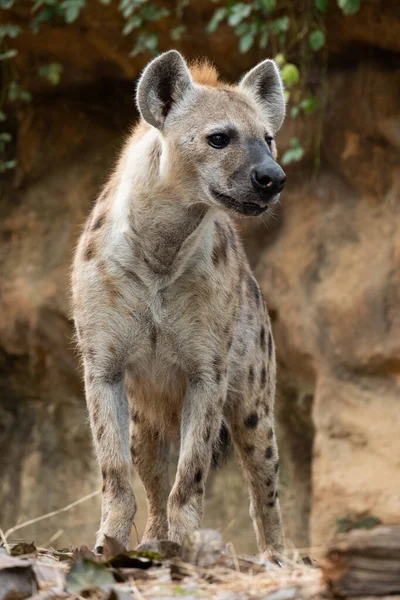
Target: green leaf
[263, 40]
[349, 7]
[238, 12]
[6, 3]
[6, 165]
[293, 155]
[322, 5]
[242, 28]
[268, 5]
[145, 41]
[290, 74]
[309, 104]
[294, 111]
[52, 72]
[134, 22]
[8, 54]
[3, 116]
[367, 523]
[152, 12]
[216, 19]
[316, 39]
[176, 32]
[5, 137]
[71, 9]
[9, 31]
[15, 92]
[86, 574]
[279, 25]
[246, 42]
[343, 525]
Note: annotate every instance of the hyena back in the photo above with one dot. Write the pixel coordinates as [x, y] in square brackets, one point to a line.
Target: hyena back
[170, 321]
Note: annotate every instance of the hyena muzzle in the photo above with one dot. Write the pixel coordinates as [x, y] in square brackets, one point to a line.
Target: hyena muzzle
[174, 334]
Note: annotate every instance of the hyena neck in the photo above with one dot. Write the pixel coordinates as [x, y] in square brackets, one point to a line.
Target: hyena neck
[153, 209]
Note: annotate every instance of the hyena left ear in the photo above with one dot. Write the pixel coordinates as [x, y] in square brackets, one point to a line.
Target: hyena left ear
[265, 85]
[164, 82]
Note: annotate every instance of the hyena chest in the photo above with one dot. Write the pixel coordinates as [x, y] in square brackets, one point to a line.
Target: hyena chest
[164, 341]
[157, 375]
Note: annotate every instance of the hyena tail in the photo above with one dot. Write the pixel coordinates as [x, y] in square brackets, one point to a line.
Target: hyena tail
[221, 447]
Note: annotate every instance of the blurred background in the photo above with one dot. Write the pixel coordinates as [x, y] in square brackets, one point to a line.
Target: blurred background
[328, 261]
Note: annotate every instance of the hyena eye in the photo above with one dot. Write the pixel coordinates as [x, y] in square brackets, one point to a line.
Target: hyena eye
[269, 139]
[218, 140]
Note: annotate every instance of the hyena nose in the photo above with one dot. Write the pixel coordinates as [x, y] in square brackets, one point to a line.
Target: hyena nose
[268, 178]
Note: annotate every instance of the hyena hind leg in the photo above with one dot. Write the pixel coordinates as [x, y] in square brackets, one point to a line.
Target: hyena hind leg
[150, 453]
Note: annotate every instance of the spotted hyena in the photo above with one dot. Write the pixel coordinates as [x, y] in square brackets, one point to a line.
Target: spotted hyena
[174, 334]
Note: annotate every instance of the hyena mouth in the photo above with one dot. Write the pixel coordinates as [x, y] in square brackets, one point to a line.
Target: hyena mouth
[244, 208]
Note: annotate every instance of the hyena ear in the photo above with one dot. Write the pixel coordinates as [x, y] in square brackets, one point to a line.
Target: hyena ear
[164, 82]
[265, 85]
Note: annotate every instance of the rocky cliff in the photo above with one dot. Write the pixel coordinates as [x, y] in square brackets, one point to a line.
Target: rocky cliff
[329, 266]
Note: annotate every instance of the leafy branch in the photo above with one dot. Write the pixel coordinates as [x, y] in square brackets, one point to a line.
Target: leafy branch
[294, 31]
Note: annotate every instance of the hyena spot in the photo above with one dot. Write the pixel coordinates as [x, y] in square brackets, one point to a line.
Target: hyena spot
[100, 432]
[251, 420]
[217, 368]
[270, 430]
[271, 495]
[153, 336]
[198, 476]
[276, 467]
[271, 504]
[270, 345]
[263, 376]
[254, 289]
[269, 482]
[251, 375]
[262, 339]
[89, 251]
[268, 452]
[99, 222]
[249, 449]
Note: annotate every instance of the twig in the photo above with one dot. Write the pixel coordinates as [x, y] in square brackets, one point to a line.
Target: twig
[137, 592]
[4, 540]
[53, 538]
[50, 514]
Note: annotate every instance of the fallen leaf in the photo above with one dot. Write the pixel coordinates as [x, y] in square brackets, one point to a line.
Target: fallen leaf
[129, 560]
[87, 574]
[159, 549]
[85, 553]
[17, 579]
[112, 547]
[202, 547]
[23, 549]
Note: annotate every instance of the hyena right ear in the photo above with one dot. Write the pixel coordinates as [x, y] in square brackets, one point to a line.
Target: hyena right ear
[164, 82]
[265, 85]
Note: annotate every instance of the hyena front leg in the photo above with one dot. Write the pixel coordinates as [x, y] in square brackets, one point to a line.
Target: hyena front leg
[150, 453]
[109, 419]
[201, 419]
[253, 434]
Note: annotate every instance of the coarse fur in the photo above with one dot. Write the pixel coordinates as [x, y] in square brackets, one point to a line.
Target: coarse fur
[174, 334]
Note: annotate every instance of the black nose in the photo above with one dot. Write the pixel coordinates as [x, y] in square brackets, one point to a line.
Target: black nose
[269, 178]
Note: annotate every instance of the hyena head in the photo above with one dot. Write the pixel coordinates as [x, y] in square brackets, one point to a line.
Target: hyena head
[217, 138]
